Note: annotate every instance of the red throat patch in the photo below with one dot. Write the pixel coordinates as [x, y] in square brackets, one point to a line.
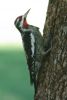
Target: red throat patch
[25, 24]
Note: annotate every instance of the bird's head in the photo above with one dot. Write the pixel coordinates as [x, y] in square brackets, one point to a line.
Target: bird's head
[21, 22]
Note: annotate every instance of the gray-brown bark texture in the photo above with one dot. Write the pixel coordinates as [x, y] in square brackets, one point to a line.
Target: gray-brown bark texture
[52, 81]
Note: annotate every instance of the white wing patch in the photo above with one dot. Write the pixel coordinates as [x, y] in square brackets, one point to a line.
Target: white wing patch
[32, 44]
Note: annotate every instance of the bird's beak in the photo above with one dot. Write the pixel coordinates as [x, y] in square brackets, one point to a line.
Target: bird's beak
[25, 15]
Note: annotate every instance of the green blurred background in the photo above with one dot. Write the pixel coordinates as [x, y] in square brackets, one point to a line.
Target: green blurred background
[14, 75]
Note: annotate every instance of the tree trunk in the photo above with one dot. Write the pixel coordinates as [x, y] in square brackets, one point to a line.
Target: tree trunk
[52, 81]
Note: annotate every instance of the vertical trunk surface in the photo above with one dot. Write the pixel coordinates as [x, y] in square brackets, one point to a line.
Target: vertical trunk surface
[52, 81]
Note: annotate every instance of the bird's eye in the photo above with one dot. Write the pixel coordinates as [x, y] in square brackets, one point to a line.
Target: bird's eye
[24, 18]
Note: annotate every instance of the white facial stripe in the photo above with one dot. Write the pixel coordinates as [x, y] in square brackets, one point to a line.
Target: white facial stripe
[17, 21]
[32, 44]
[22, 22]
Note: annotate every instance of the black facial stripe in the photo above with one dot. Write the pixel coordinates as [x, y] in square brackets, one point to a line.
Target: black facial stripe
[20, 18]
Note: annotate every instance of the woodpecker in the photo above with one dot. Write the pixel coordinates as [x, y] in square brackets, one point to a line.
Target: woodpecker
[33, 46]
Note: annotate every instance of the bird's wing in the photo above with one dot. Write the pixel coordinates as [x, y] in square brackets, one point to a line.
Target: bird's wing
[29, 46]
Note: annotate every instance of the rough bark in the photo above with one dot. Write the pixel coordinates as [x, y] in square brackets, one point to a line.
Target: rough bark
[52, 81]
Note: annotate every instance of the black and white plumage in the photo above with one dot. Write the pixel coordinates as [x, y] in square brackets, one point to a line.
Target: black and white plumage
[33, 45]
